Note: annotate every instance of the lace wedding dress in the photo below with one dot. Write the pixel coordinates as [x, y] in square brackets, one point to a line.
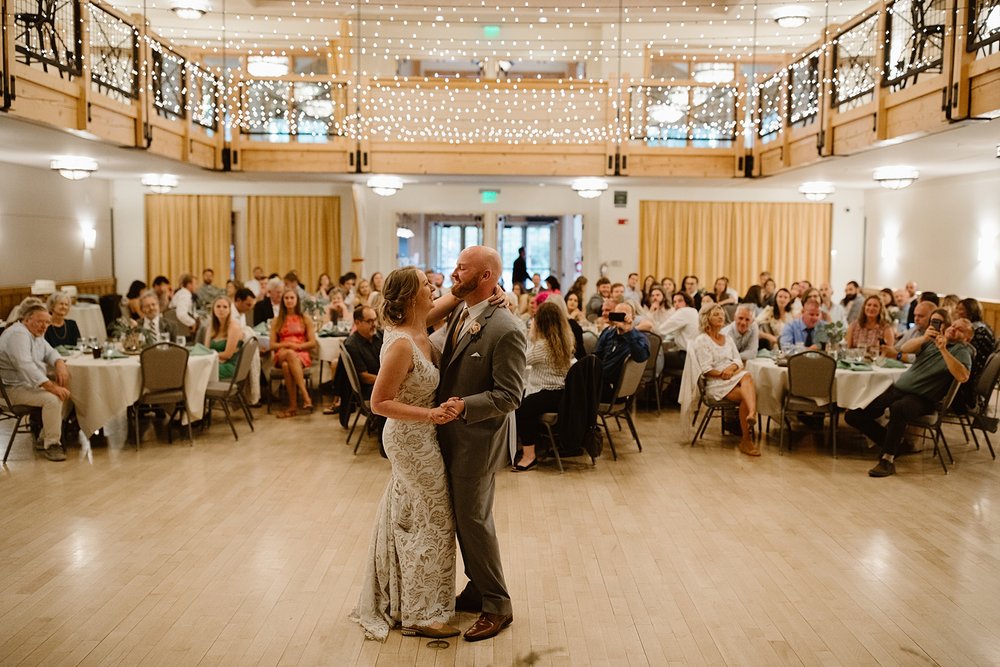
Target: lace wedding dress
[410, 572]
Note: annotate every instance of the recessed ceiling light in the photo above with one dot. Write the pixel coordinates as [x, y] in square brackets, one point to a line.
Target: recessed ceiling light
[791, 16]
[896, 177]
[74, 168]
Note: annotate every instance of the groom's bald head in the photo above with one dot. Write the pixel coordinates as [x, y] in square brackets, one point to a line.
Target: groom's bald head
[476, 274]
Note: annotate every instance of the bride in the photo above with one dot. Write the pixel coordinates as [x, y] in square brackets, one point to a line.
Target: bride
[410, 573]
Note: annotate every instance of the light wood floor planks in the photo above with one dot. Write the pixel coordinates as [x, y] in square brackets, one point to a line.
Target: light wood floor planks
[250, 552]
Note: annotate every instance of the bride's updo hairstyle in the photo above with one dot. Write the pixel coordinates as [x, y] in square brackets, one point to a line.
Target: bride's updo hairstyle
[399, 292]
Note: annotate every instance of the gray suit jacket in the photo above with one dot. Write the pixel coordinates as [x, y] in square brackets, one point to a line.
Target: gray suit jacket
[486, 369]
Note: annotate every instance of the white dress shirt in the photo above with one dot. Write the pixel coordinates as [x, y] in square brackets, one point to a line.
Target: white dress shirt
[183, 305]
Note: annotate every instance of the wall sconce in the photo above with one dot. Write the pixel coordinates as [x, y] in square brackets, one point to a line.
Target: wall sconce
[89, 238]
[385, 186]
[589, 188]
[74, 168]
[890, 248]
[987, 253]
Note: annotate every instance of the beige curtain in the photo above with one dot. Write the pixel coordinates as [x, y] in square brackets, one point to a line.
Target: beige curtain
[187, 234]
[735, 239]
[295, 233]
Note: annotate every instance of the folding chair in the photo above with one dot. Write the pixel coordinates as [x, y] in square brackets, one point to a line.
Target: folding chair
[810, 389]
[722, 406]
[164, 367]
[226, 392]
[357, 397]
[18, 413]
[931, 423]
[622, 401]
[651, 377]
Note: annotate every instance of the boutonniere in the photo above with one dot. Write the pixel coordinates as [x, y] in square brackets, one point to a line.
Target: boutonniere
[474, 330]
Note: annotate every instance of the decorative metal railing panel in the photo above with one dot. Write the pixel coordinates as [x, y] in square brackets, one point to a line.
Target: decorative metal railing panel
[4, 65]
[679, 116]
[915, 40]
[984, 27]
[277, 111]
[167, 73]
[47, 34]
[855, 66]
[769, 115]
[114, 54]
[204, 96]
[803, 91]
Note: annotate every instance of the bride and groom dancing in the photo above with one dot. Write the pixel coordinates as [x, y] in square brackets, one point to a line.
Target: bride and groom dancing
[446, 436]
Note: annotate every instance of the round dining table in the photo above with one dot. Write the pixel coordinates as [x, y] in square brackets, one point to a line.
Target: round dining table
[89, 318]
[851, 389]
[103, 389]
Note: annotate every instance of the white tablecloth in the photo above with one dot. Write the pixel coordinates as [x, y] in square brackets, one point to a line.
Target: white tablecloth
[90, 320]
[851, 389]
[103, 389]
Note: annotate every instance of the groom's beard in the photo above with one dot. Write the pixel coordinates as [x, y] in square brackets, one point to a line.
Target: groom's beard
[464, 289]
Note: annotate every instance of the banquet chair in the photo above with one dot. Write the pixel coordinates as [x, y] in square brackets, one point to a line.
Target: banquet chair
[277, 375]
[164, 366]
[651, 377]
[20, 414]
[722, 406]
[232, 390]
[980, 418]
[810, 389]
[622, 401]
[357, 398]
[931, 423]
[589, 341]
[582, 382]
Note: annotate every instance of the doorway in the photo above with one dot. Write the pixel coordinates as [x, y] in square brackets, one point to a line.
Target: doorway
[553, 245]
[433, 242]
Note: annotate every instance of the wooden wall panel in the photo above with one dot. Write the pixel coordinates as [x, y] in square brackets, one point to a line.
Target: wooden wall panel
[12, 295]
[267, 158]
[706, 166]
[772, 159]
[488, 160]
[985, 98]
[916, 116]
[854, 136]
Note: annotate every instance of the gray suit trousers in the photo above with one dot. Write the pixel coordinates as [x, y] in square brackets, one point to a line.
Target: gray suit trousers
[477, 538]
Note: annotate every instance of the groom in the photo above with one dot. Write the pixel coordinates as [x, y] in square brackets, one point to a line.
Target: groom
[482, 381]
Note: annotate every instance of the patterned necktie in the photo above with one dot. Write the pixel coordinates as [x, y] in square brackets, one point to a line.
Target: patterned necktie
[458, 329]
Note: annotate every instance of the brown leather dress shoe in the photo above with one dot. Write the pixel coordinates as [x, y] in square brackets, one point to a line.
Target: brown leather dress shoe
[486, 626]
[429, 632]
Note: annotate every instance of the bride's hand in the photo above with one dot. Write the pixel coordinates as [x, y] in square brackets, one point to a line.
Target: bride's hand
[498, 298]
[440, 415]
[454, 407]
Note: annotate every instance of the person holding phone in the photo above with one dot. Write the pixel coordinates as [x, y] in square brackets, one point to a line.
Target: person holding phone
[618, 342]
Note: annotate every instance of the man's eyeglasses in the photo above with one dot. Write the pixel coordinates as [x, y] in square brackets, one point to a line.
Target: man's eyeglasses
[371, 321]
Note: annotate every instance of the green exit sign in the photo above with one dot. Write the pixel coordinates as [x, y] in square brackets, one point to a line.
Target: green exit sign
[491, 31]
[489, 196]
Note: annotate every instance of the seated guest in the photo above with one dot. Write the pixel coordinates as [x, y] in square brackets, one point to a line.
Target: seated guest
[574, 312]
[617, 293]
[15, 312]
[941, 359]
[659, 310]
[152, 320]
[363, 293]
[983, 342]
[647, 285]
[595, 306]
[130, 305]
[768, 292]
[232, 286]
[244, 302]
[872, 329]
[722, 293]
[268, 307]
[889, 301]
[832, 311]
[930, 297]
[25, 360]
[183, 303]
[714, 356]
[224, 335]
[365, 345]
[689, 285]
[292, 282]
[208, 292]
[164, 292]
[903, 306]
[802, 331]
[61, 331]
[618, 342]
[921, 319]
[669, 288]
[323, 286]
[851, 303]
[743, 331]
[549, 356]
[337, 310]
[521, 300]
[579, 350]
[536, 284]
[292, 338]
[773, 318]
[376, 281]
[258, 283]
[683, 327]
[346, 284]
[631, 289]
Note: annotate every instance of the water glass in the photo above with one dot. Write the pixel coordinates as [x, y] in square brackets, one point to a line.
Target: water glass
[182, 340]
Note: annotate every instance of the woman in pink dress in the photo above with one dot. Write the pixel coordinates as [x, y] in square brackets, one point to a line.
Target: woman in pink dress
[292, 337]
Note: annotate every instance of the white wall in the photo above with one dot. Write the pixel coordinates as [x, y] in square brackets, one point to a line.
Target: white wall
[42, 216]
[937, 228]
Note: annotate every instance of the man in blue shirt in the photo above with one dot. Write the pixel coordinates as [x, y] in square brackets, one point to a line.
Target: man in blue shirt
[25, 359]
[803, 330]
[618, 342]
[942, 357]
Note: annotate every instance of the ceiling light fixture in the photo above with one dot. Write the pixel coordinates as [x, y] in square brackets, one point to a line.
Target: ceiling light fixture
[385, 186]
[74, 168]
[665, 114]
[188, 13]
[589, 187]
[160, 183]
[267, 67]
[715, 73]
[895, 178]
[404, 233]
[317, 108]
[817, 190]
[790, 16]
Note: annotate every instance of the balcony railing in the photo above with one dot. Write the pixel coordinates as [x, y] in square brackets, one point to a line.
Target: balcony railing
[683, 116]
[803, 91]
[769, 117]
[114, 56]
[915, 39]
[167, 74]
[855, 70]
[4, 65]
[984, 27]
[47, 34]
[280, 111]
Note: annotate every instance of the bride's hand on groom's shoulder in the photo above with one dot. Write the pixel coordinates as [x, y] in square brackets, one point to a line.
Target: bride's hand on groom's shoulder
[498, 298]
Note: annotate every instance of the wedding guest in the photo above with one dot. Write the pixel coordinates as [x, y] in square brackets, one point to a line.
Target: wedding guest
[224, 335]
[575, 314]
[579, 349]
[521, 300]
[323, 286]
[723, 294]
[376, 281]
[131, 300]
[851, 303]
[337, 310]
[152, 321]
[772, 319]
[549, 356]
[595, 305]
[647, 284]
[208, 292]
[292, 281]
[292, 339]
[257, 284]
[232, 286]
[619, 342]
[243, 303]
[683, 328]
[268, 307]
[164, 292]
[183, 303]
[669, 288]
[61, 331]
[983, 342]
[689, 285]
[362, 293]
[658, 309]
[872, 329]
[744, 332]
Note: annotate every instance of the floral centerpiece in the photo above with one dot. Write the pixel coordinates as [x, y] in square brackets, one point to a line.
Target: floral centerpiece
[314, 307]
[830, 334]
[133, 337]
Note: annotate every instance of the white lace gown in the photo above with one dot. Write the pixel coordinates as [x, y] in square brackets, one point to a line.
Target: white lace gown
[710, 356]
[410, 572]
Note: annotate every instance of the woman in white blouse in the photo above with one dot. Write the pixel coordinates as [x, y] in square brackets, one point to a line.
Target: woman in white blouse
[683, 327]
[549, 356]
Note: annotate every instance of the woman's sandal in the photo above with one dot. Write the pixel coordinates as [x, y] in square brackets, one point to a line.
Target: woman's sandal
[285, 414]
